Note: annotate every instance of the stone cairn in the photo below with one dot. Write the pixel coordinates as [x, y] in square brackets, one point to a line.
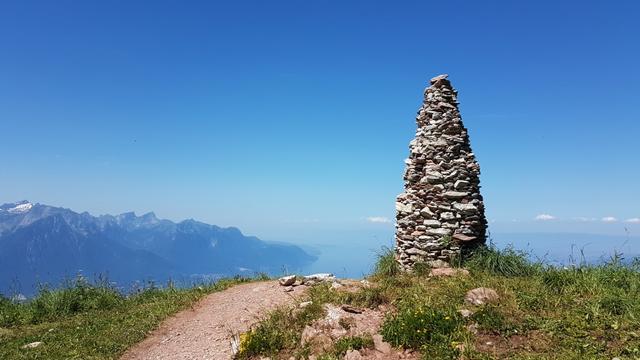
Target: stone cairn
[440, 213]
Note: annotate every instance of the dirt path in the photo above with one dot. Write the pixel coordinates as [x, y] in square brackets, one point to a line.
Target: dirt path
[204, 332]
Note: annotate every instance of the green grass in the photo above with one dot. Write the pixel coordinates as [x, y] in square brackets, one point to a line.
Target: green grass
[580, 312]
[282, 328]
[85, 321]
[544, 312]
[506, 262]
[345, 344]
[386, 266]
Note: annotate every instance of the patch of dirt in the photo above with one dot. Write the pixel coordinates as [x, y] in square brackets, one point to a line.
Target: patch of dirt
[205, 331]
[341, 321]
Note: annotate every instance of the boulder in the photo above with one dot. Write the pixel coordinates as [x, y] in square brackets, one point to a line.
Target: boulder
[481, 296]
[287, 280]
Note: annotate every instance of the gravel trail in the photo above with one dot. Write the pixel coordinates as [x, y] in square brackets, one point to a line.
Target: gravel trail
[205, 331]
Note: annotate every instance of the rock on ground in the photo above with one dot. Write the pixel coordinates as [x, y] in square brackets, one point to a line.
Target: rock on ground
[32, 345]
[287, 280]
[481, 296]
[445, 272]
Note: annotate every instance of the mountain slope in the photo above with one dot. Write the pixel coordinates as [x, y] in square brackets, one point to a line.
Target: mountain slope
[45, 244]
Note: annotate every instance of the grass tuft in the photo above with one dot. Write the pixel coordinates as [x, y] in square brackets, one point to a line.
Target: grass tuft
[386, 265]
[503, 262]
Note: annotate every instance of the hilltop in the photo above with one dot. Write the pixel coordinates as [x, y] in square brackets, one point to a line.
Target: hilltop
[495, 305]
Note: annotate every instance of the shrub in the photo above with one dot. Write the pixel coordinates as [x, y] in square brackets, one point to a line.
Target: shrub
[9, 312]
[76, 297]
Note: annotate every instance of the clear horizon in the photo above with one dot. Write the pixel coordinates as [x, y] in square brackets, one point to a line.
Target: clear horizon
[291, 121]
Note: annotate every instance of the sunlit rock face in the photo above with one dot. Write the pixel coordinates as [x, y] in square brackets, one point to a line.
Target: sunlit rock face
[441, 212]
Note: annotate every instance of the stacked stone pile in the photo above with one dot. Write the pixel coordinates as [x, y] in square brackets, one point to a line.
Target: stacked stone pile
[441, 211]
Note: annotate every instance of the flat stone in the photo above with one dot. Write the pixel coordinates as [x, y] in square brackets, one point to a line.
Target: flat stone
[465, 208]
[463, 237]
[455, 194]
[426, 212]
[404, 208]
[447, 216]
[460, 184]
[434, 177]
[431, 223]
[439, 77]
[414, 251]
[439, 231]
[448, 272]
[32, 345]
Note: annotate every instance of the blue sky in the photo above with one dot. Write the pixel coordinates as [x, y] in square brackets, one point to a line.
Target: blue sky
[291, 119]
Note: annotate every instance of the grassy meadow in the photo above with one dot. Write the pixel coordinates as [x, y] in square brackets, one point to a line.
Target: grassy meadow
[91, 321]
[544, 312]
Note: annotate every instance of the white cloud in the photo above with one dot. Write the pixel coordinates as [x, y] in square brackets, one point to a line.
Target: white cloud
[633, 220]
[545, 217]
[378, 219]
[609, 219]
[584, 219]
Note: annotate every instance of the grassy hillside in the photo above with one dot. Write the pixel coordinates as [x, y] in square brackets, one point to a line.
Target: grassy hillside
[85, 321]
[580, 312]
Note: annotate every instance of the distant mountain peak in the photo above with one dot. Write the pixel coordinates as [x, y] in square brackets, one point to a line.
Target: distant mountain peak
[127, 215]
[17, 208]
[41, 243]
[150, 216]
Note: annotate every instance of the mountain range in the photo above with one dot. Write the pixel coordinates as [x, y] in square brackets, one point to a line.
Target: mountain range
[41, 244]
